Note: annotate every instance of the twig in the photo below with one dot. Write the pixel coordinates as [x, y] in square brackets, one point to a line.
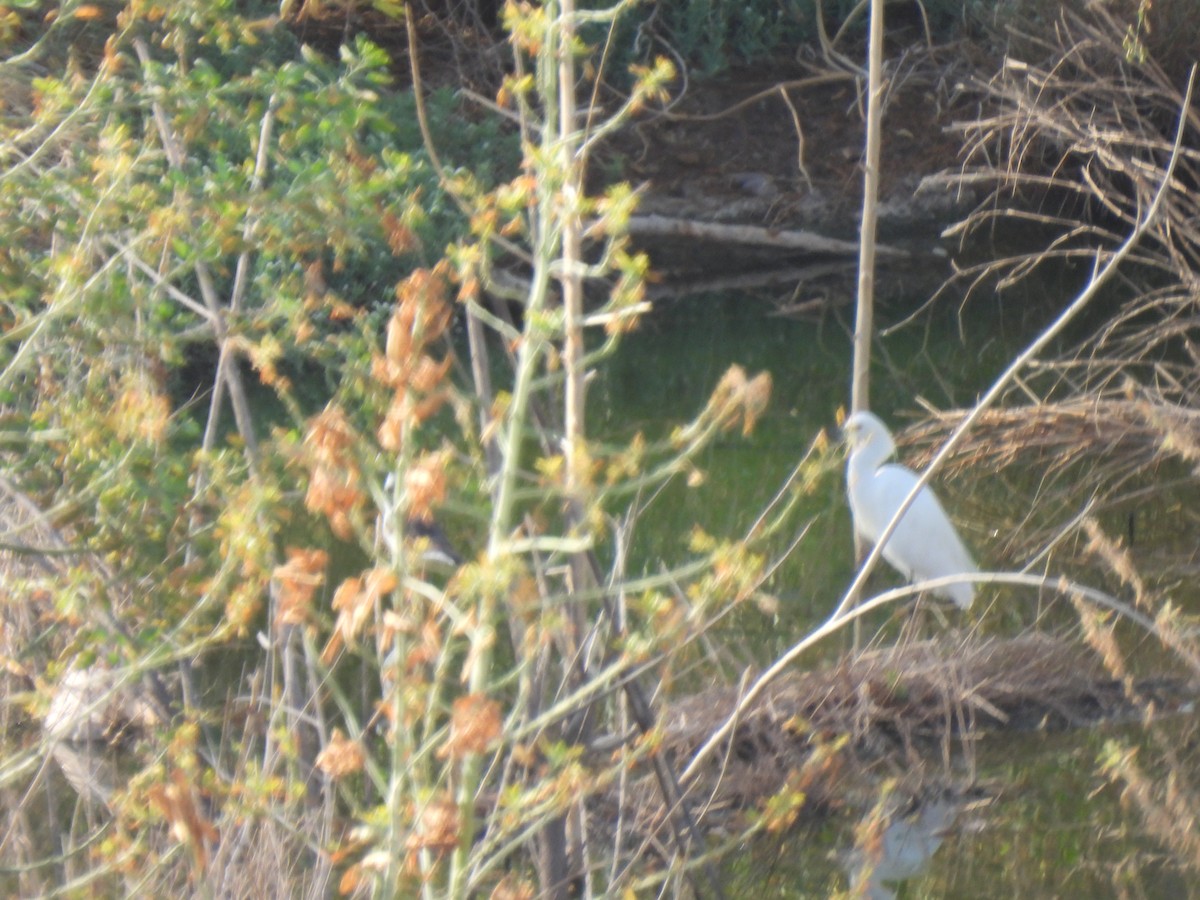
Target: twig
[843, 614]
[811, 81]
[1085, 297]
[864, 330]
[228, 373]
[799, 137]
[658, 226]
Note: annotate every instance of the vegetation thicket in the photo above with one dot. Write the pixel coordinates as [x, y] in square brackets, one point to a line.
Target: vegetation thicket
[268, 314]
[255, 338]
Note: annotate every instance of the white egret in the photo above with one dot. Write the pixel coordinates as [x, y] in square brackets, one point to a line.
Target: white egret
[924, 543]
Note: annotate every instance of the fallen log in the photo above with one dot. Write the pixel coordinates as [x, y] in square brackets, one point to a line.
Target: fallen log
[756, 235]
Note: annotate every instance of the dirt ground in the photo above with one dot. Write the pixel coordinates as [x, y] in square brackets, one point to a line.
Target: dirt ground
[777, 147]
[784, 147]
[781, 150]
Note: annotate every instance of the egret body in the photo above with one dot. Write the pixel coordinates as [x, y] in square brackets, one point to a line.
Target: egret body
[924, 543]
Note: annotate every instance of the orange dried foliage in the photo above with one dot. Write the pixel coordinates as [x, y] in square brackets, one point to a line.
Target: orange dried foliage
[365, 164]
[474, 725]
[332, 648]
[111, 63]
[428, 375]
[350, 881]
[525, 598]
[141, 412]
[380, 582]
[427, 650]
[177, 802]
[512, 888]
[421, 317]
[422, 311]
[739, 399]
[341, 756]
[352, 615]
[391, 431]
[469, 289]
[355, 601]
[334, 487]
[314, 279]
[305, 331]
[393, 624]
[755, 400]
[438, 827]
[425, 485]
[400, 237]
[407, 410]
[299, 578]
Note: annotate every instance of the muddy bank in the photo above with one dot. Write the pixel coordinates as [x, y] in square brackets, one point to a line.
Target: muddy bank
[764, 155]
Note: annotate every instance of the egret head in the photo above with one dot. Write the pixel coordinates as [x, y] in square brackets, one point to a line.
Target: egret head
[864, 429]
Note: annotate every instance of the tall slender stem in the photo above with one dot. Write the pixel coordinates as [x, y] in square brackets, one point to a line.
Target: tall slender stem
[572, 282]
[864, 323]
[864, 320]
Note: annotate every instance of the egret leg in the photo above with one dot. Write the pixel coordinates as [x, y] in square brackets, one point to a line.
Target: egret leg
[915, 613]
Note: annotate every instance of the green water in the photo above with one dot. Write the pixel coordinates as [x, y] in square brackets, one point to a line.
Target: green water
[1049, 824]
[1057, 826]
[664, 373]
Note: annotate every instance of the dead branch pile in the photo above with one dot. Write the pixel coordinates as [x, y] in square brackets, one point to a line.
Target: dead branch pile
[1077, 141]
[1075, 118]
[1138, 431]
[893, 707]
[1074, 141]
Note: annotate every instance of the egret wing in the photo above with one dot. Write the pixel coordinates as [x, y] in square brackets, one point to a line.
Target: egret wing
[925, 543]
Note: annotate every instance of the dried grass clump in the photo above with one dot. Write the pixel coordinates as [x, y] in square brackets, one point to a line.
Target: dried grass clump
[825, 730]
[1136, 432]
[1074, 144]
[1078, 123]
[1075, 141]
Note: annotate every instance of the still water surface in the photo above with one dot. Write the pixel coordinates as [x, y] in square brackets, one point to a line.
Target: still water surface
[1057, 826]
